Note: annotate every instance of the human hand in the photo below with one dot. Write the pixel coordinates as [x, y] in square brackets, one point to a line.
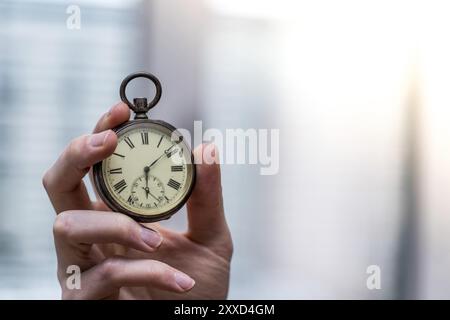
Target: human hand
[122, 259]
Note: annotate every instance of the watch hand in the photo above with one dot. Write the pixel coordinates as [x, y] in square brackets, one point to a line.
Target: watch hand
[146, 170]
[165, 153]
[146, 192]
[153, 196]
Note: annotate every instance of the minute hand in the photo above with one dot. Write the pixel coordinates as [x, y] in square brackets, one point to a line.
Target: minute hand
[165, 153]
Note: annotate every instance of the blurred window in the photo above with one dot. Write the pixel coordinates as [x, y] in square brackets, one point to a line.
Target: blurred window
[54, 84]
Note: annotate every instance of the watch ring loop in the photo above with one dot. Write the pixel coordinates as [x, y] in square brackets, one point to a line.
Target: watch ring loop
[141, 74]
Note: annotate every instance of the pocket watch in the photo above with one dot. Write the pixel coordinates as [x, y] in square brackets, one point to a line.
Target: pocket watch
[151, 173]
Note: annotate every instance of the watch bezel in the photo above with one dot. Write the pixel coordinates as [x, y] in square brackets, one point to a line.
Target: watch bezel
[108, 199]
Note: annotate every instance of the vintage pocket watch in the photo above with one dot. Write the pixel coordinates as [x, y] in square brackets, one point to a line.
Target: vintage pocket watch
[151, 173]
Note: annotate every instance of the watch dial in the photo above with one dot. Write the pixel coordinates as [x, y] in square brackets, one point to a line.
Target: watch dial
[149, 173]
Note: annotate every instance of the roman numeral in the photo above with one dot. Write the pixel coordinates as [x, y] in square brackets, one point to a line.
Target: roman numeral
[116, 171]
[129, 142]
[120, 186]
[159, 142]
[119, 155]
[130, 200]
[177, 168]
[174, 184]
[144, 137]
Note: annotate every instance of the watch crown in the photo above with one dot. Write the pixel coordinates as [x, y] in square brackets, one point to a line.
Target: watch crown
[140, 108]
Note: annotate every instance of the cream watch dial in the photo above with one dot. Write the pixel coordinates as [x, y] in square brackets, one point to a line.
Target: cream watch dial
[148, 173]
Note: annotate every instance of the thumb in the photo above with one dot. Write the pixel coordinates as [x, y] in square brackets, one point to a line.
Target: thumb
[205, 206]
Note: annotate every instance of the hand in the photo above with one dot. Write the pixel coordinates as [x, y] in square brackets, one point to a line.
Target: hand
[122, 259]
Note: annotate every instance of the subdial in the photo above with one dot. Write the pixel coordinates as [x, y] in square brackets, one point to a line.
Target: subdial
[147, 192]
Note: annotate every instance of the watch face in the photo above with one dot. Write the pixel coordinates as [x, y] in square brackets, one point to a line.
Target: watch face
[150, 174]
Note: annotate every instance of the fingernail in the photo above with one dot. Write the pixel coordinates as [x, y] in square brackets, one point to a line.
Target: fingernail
[184, 281]
[152, 238]
[98, 139]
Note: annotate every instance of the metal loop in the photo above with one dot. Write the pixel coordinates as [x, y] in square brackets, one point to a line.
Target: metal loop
[146, 75]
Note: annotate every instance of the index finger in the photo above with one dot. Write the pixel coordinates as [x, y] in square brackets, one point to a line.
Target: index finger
[76, 231]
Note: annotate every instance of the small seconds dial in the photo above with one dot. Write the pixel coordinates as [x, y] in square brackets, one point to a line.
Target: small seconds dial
[150, 172]
[147, 192]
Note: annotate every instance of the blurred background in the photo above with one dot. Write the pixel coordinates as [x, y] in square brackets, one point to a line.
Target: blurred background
[358, 90]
